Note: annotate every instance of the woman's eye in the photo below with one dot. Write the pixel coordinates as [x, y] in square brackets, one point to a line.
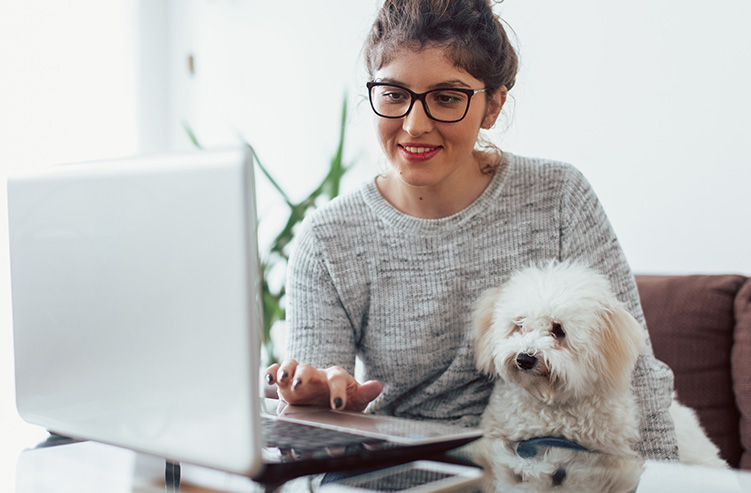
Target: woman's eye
[449, 98]
[394, 97]
[558, 331]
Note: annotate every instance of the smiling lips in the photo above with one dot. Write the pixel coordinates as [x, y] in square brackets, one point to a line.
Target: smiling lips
[418, 152]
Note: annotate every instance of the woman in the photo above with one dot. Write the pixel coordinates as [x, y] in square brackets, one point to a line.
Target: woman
[389, 273]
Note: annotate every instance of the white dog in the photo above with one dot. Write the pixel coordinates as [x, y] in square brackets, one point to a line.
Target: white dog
[563, 350]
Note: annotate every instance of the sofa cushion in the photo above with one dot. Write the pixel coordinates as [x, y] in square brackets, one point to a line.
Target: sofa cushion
[691, 322]
[742, 369]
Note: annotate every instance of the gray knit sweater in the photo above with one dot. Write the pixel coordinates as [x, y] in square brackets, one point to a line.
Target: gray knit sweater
[365, 280]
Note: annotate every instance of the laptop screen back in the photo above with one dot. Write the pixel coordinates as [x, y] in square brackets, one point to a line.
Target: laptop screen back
[136, 304]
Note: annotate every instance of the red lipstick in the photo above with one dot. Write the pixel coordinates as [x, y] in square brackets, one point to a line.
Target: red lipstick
[418, 152]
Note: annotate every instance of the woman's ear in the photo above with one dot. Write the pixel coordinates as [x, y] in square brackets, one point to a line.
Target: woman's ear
[494, 107]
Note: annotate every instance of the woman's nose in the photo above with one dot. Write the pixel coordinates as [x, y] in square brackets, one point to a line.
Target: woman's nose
[417, 122]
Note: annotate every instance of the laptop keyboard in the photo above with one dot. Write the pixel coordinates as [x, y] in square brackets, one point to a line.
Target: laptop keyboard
[284, 434]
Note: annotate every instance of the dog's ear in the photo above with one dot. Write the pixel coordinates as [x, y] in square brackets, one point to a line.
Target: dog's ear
[623, 340]
[482, 320]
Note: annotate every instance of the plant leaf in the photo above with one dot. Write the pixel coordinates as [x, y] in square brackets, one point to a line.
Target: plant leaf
[191, 135]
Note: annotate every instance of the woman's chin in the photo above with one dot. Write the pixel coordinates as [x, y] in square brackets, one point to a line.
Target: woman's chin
[418, 179]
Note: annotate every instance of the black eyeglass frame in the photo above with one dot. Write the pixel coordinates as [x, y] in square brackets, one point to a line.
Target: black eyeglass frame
[421, 97]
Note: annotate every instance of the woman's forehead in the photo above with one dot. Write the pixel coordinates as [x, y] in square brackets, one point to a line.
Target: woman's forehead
[431, 66]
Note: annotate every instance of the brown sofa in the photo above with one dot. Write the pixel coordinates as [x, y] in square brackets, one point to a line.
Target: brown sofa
[701, 326]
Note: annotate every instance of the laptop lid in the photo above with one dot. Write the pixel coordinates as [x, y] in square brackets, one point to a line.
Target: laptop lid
[137, 316]
[135, 287]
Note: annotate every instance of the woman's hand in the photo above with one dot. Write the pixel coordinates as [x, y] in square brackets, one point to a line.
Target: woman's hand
[301, 384]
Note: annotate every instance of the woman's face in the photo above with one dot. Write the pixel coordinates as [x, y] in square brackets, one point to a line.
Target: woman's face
[422, 151]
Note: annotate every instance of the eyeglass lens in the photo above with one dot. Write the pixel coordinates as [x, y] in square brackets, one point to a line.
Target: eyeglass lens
[442, 104]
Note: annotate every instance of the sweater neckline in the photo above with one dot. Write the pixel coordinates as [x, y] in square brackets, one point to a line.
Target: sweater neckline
[435, 227]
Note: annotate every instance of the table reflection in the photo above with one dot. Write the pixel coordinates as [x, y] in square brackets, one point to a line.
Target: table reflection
[62, 464]
[532, 466]
[539, 466]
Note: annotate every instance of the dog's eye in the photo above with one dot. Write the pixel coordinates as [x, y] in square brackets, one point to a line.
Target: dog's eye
[558, 331]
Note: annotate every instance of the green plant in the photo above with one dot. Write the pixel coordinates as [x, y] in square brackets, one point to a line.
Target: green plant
[278, 251]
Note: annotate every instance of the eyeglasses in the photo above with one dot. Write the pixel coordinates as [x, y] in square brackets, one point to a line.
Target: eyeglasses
[447, 105]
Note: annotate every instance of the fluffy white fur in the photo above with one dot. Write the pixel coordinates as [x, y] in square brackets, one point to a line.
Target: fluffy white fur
[562, 349]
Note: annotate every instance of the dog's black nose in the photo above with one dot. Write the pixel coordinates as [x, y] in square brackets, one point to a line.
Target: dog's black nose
[526, 361]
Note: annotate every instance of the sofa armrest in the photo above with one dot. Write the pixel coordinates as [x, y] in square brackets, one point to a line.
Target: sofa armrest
[692, 325]
[741, 359]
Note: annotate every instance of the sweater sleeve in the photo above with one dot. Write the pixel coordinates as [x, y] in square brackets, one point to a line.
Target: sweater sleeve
[586, 234]
[320, 332]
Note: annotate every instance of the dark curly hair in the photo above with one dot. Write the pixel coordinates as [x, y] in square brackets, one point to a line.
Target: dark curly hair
[473, 35]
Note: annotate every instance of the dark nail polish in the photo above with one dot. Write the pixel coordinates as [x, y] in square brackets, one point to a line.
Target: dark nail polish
[296, 384]
[269, 379]
[284, 376]
[338, 403]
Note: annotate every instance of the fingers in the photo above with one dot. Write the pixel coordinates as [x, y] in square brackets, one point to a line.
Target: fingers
[303, 384]
[285, 372]
[267, 383]
[347, 393]
[339, 381]
[300, 384]
[365, 393]
[282, 375]
[304, 375]
[270, 375]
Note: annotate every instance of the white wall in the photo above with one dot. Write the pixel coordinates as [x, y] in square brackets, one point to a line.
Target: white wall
[67, 93]
[649, 99]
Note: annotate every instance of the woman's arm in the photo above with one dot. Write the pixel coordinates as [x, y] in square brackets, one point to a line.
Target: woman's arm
[320, 330]
[586, 234]
[321, 336]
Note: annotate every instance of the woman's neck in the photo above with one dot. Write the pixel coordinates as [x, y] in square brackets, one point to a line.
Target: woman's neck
[443, 199]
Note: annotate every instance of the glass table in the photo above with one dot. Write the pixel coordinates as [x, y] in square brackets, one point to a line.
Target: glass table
[94, 467]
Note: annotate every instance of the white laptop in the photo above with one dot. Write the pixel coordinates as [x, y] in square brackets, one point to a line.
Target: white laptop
[137, 316]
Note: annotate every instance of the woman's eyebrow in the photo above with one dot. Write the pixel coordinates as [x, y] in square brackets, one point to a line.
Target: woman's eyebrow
[388, 80]
[440, 85]
[451, 83]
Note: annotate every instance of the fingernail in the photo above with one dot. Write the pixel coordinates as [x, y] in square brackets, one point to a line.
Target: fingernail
[296, 384]
[284, 376]
[269, 379]
[337, 403]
